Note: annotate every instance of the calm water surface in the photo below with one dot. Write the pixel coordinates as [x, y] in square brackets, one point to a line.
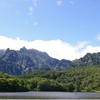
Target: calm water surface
[50, 96]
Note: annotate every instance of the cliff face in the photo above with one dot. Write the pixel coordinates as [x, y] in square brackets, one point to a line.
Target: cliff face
[23, 61]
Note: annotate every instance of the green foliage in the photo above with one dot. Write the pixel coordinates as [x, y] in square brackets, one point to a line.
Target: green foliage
[48, 74]
[82, 79]
[49, 85]
[10, 83]
[73, 79]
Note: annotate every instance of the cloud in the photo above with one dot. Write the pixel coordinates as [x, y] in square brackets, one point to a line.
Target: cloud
[30, 12]
[71, 2]
[35, 3]
[31, 8]
[4, 4]
[55, 48]
[98, 37]
[82, 44]
[35, 23]
[59, 2]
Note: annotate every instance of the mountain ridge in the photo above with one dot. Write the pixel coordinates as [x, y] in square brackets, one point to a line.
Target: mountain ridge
[17, 62]
[22, 61]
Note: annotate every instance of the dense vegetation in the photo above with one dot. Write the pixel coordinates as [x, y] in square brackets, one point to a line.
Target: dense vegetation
[40, 72]
[82, 79]
[10, 83]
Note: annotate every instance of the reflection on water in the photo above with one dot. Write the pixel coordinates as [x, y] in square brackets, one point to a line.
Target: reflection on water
[49, 96]
[51, 99]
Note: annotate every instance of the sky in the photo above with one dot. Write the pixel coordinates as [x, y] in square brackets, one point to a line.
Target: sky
[65, 29]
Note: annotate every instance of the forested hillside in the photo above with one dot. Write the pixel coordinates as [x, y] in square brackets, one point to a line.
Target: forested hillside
[82, 79]
[40, 72]
[72, 79]
[10, 83]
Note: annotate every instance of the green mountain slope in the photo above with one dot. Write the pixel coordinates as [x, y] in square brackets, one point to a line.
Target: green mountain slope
[82, 79]
[10, 83]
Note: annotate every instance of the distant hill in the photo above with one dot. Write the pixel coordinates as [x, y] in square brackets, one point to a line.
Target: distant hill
[24, 61]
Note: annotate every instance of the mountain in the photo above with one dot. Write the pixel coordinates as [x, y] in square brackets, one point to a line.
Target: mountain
[1, 52]
[17, 62]
[22, 61]
[88, 60]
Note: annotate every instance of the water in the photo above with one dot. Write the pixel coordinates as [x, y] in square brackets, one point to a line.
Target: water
[50, 95]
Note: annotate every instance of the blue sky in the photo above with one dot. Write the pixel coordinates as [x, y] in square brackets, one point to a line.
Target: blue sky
[67, 25]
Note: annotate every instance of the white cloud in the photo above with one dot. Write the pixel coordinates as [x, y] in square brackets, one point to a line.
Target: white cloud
[30, 12]
[59, 2]
[91, 49]
[71, 2]
[35, 23]
[82, 44]
[31, 8]
[98, 37]
[55, 48]
[35, 3]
